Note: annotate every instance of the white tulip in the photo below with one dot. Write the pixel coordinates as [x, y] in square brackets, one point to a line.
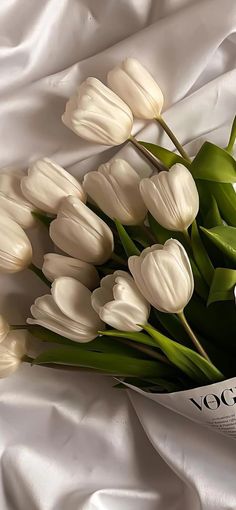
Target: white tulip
[79, 232]
[119, 302]
[56, 265]
[171, 197]
[67, 311]
[97, 114]
[47, 183]
[164, 276]
[15, 247]
[12, 351]
[4, 328]
[135, 85]
[115, 189]
[12, 201]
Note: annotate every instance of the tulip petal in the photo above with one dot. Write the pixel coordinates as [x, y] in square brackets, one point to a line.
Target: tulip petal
[74, 300]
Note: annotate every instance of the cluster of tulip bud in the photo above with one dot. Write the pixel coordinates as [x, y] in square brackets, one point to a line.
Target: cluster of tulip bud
[80, 303]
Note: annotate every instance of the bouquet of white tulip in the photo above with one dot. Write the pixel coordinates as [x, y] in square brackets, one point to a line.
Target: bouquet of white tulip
[158, 310]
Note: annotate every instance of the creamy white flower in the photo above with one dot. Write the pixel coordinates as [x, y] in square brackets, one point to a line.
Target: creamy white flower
[115, 189]
[79, 232]
[135, 85]
[12, 350]
[67, 311]
[97, 114]
[12, 201]
[119, 302]
[15, 247]
[4, 328]
[171, 197]
[47, 183]
[56, 265]
[164, 276]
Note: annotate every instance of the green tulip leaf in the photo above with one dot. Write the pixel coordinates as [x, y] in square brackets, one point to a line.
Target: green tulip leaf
[112, 364]
[213, 164]
[232, 137]
[226, 200]
[100, 344]
[136, 336]
[209, 210]
[127, 243]
[138, 234]
[200, 254]
[171, 323]
[222, 287]
[216, 323]
[190, 362]
[224, 238]
[167, 157]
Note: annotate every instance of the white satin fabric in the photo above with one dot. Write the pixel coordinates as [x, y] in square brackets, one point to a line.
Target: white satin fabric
[70, 441]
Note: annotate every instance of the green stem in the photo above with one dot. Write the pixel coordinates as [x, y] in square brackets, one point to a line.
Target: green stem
[145, 349]
[148, 233]
[119, 259]
[27, 359]
[192, 335]
[187, 238]
[148, 155]
[40, 274]
[18, 326]
[173, 138]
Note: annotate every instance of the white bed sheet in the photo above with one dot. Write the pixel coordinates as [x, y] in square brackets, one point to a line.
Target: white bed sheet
[70, 441]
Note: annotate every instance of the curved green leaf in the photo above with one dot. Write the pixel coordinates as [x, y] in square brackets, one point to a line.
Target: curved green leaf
[187, 360]
[131, 335]
[127, 243]
[224, 238]
[226, 200]
[119, 365]
[222, 287]
[213, 164]
[232, 137]
[201, 257]
[167, 157]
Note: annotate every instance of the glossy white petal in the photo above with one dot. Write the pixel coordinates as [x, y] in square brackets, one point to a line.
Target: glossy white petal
[135, 85]
[46, 313]
[96, 114]
[15, 247]
[79, 232]
[12, 350]
[56, 265]
[47, 183]
[4, 328]
[119, 302]
[74, 301]
[12, 201]
[171, 197]
[164, 276]
[115, 189]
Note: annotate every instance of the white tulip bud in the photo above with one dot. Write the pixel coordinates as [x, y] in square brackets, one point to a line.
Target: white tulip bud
[12, 201]
[47, 183]
[115, 189]
[15, 247]
[68, 311]
[171, 197]
[79, 232]
[164, 276]
[135, 85]
[4, 328]
[97, 114]
[119, 302]
[12, 350]
[56, 265]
